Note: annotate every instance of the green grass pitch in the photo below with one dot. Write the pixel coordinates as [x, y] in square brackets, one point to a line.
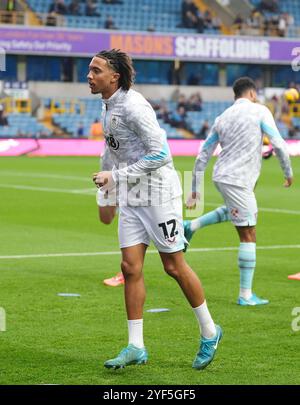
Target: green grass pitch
[47, 206]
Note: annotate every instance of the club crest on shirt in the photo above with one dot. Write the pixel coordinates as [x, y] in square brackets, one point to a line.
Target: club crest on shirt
[114, 122]
[235, 212]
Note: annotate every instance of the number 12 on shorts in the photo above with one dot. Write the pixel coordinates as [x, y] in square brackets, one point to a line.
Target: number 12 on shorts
[169, 228]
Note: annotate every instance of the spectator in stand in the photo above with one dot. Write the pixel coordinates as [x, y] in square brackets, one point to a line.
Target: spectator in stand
[216, 23]
[182, 101]
[282, 26]
[91, 9]
[51, 19]
[195, 102]
[151, 28]
[199, 24]
[178, 119]
[80, 130]
[3, 119]
[58, 7]
[74, 8]
[256, 20]
[193, 21]
[289, 19]
[238, 22]
[191, 16]
[163, 113]
[269, 5]
[202, 134]
[112, 1]
[175, 95]
[96, 130]
[109, 23]
[189, 20]
[273, 25]
[207, 19]
[11, 5]
[156, 105]
[188, 6]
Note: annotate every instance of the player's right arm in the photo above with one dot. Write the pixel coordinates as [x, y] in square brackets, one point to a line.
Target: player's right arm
[141, 119]
[269, 128]
[204, 156]
[201, 162]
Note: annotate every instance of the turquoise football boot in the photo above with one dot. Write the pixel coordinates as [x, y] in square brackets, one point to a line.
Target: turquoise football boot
[188, 233]
[207, 350]
[253, 300]
[129, 356]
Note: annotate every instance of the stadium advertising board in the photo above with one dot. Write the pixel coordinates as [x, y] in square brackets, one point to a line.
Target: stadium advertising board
[144, 45]
[86, 147]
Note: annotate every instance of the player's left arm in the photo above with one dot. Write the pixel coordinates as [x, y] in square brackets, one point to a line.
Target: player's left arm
[269, 128]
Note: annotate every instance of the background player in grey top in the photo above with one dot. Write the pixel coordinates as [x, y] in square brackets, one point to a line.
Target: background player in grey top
[140, 154]
[240, 130]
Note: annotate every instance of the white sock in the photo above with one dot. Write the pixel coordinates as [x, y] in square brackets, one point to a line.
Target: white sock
[206, 324]
[247, 263]
[135, 333]
[245, 293]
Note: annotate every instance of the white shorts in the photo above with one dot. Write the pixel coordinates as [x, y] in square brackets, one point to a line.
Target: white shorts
[240, 202]
[161, 224]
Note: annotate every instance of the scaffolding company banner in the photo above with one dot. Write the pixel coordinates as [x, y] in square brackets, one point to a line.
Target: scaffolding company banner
[214, 48]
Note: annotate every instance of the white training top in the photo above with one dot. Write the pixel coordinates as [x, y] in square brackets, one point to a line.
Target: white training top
[239, 130]
[138, 148]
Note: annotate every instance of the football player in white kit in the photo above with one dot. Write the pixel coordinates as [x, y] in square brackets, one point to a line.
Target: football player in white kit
[240, 130]
[149, 200]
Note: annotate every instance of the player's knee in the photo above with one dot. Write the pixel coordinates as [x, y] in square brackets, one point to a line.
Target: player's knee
[131, 269]
[171, 270]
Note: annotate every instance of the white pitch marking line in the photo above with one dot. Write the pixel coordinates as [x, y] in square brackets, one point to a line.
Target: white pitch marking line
[278, 210]
[195, 250]
[49, 189]
[90, 191]
[43, 175]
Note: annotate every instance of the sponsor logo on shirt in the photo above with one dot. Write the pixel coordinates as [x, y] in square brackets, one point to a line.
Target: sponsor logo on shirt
[235, 212]
[112, 142]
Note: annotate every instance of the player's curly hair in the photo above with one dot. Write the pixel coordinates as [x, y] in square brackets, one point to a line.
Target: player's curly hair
[121, 63]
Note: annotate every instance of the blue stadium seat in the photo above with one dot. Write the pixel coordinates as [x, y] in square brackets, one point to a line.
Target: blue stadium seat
[24, 125]
[135, 15]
